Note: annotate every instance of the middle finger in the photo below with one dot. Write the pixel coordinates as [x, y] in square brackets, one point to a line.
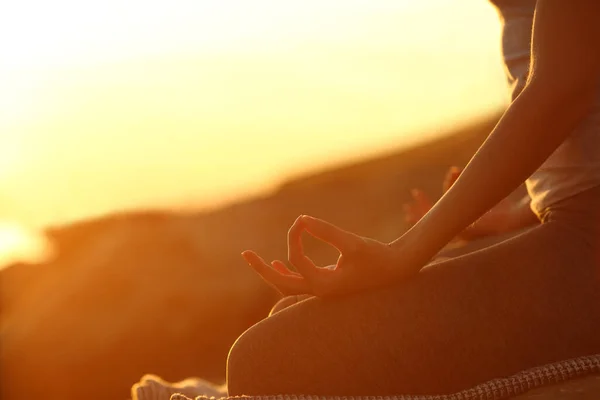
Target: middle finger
[286, 284]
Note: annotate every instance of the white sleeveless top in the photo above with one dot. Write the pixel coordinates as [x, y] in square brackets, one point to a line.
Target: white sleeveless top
[575, 165]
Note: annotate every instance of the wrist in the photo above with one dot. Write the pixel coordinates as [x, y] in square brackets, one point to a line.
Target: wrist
[414, 248]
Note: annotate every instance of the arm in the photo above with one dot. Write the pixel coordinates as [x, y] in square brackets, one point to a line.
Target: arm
[564, 76]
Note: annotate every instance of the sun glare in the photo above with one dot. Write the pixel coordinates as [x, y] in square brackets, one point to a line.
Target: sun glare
[68, 32]
[145, 103]
[16, 244]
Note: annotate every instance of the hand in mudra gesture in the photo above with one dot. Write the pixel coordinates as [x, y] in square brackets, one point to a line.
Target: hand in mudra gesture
[363, 263]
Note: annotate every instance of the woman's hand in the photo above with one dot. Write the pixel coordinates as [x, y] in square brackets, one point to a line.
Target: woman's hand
[363, 263]
[506, 216]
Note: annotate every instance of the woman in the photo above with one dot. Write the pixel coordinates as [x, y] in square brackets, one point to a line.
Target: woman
[383, 321]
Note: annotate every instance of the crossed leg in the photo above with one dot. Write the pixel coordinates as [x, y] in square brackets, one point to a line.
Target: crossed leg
[527, 301]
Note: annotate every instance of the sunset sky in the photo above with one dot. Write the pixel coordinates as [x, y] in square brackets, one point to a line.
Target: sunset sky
[122, 104]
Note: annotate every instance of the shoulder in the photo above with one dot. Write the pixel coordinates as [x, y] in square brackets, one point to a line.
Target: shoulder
[566, 42]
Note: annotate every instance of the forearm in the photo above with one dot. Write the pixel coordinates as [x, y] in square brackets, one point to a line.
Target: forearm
[530, 130]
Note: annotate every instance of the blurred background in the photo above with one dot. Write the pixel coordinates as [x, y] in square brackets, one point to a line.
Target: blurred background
[145, 144]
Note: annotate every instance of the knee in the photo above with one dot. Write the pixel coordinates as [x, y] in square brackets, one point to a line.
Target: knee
[236, 367]
[245, 364]
[261, 361]
[264, 359]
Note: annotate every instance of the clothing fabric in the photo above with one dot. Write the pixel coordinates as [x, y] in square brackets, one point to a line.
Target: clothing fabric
[531, 300]
[575, 165]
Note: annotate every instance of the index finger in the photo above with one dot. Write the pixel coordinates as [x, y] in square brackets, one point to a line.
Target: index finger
[329, 233]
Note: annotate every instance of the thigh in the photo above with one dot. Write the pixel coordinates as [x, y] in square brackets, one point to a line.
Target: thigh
[521, 303]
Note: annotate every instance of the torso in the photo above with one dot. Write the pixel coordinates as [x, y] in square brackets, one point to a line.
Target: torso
[575, 166]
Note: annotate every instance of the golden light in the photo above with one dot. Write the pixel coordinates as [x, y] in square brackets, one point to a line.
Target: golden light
[155, 103]
[18, 245]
